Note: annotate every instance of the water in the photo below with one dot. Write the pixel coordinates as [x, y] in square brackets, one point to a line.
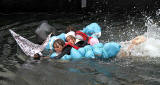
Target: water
[141, 68]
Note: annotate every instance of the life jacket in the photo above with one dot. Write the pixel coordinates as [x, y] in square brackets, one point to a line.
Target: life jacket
[82, 35]
[74, 46]
[85, 37]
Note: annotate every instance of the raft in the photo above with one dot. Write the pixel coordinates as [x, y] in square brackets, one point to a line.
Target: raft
[99, 50]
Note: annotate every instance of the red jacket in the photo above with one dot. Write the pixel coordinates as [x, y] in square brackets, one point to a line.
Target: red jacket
[85, 37]
[74, 46]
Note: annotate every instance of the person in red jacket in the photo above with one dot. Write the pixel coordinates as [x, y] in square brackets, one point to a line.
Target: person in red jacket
[78, 34]
[82, 36]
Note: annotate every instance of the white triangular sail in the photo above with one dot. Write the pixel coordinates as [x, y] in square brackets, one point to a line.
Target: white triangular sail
[28, 47]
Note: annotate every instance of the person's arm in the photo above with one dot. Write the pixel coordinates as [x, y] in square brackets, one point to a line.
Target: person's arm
[66, 50]
[136, 41]
[37, 56]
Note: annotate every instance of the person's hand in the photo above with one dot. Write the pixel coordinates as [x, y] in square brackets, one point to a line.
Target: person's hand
[37, 56]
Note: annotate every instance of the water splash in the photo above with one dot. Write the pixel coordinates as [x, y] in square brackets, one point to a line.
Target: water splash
[151, 47]
[158, 12]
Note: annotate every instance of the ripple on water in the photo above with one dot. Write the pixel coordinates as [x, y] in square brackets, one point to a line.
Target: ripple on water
[6, 50]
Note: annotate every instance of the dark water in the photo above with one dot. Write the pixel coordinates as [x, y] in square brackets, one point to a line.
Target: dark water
[18, 69]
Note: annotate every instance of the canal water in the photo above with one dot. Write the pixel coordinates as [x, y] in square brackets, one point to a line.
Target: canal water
[142, 67]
